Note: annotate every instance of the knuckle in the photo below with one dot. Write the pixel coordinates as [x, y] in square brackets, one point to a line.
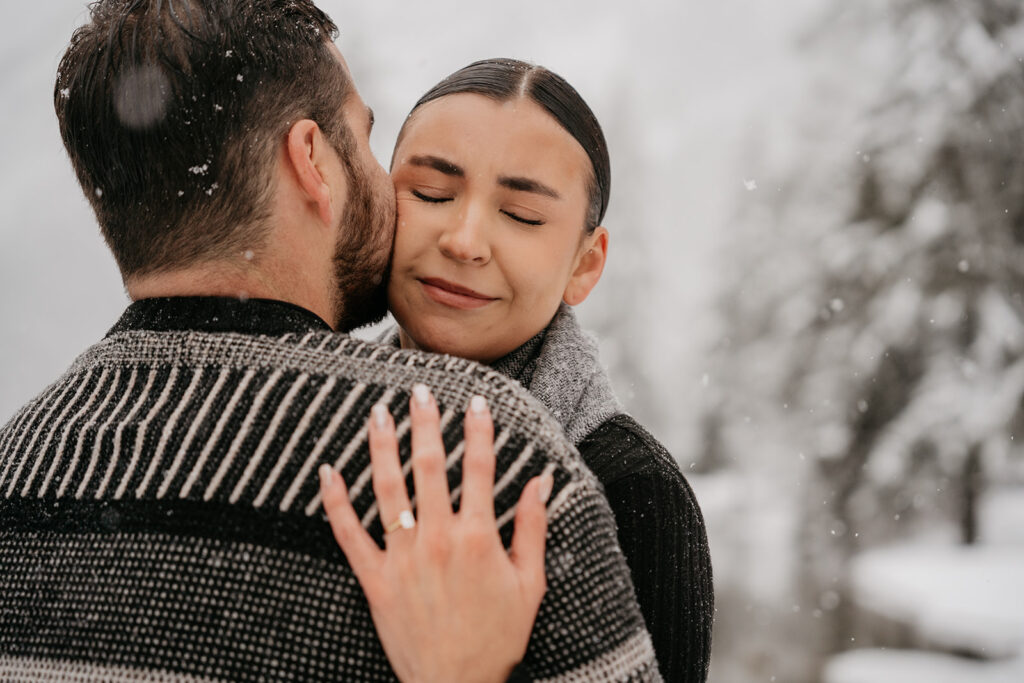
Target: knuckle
[436, 547]
[343, 532]
[481, 430]
[425, 415]
[430, 461]
[380, 442]
[478, 536]
[332, 501]
[389, 486]
[478, 460]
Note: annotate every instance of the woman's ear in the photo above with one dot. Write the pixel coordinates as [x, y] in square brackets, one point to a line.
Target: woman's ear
[308, 156]
[589, 266]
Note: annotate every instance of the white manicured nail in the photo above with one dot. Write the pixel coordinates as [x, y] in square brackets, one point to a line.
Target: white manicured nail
[380, 416]
[421, 394]
[478, 405]
[547, 482]
[327, 476]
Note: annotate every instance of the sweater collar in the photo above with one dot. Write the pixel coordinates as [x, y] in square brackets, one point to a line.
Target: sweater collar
[561, 367]
[217, 314]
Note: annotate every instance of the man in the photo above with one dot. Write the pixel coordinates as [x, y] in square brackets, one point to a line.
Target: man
[160, 514]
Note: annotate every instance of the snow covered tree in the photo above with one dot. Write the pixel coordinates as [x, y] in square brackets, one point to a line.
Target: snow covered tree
[874, 316]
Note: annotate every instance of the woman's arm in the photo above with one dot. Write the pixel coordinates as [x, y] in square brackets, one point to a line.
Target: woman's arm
[662, 537]
[662, 534]
[449, 603]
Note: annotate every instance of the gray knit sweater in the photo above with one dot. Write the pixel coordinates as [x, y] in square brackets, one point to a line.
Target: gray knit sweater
[160, 516]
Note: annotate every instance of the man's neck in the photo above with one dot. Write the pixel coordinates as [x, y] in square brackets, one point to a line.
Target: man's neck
[249, 283]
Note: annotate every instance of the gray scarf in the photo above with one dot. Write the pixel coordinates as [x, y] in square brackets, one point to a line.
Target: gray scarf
[561, 368]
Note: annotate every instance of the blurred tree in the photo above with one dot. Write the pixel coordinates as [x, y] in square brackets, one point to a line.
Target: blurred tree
[874, 315]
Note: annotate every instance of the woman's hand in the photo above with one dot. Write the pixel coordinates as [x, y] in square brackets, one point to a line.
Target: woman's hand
[449, 603]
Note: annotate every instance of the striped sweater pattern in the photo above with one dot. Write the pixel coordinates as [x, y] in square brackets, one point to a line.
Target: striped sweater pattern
[160, 516]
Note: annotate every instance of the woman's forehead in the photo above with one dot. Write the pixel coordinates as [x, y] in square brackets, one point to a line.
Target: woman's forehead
[512, 136]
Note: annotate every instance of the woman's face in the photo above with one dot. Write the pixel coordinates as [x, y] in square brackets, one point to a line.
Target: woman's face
[491, 204]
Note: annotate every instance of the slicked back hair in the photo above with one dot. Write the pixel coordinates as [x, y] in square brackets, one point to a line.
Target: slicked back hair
[504, 79]
[172, 111]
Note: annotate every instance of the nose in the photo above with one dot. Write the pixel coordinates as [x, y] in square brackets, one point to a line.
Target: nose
[466, 240]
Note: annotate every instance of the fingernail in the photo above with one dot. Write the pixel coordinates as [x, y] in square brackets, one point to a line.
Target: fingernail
[478, 405]
[421, 394]
[327, 476]
[547, 482]
[380, 416]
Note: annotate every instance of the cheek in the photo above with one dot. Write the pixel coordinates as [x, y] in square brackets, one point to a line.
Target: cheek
[538, 272]
[412, 233]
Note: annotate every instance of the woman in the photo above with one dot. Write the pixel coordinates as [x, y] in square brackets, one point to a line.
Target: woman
[502, 180]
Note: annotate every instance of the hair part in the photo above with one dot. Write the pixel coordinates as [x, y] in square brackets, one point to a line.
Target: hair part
[172, 112]
[506, 79]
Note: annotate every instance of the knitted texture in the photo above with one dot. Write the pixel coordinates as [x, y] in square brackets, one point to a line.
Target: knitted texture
[561, 367]
[660, 527]
[662, 533]
[160, 515]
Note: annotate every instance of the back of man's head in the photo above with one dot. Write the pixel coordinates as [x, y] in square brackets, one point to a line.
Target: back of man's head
[172, 112]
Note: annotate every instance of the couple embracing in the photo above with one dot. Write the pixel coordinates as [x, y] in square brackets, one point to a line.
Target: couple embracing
[492, 513]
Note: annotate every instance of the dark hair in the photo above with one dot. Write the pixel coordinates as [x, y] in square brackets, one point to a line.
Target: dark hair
[505, 79]
[172, 110]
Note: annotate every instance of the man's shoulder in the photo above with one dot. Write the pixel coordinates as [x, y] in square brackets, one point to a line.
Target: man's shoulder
[346, 360]
[239, 418]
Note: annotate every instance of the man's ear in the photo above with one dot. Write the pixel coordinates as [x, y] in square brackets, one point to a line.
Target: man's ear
[589, 266]
[310, 155]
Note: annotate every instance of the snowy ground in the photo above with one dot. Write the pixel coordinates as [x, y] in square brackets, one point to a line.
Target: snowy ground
[1002, 513]
[966, 599]
[892, 666]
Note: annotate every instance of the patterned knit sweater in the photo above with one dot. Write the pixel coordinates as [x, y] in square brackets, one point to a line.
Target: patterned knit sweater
[160, 516]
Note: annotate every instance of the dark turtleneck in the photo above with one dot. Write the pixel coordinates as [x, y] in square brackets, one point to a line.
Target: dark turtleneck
[660, 527]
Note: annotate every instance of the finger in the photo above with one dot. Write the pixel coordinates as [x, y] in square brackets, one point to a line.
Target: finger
[362, 553]
[388, 480]
[433, 503]
[531, 525]
[478, 462]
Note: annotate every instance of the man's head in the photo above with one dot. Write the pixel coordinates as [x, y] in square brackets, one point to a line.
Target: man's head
[179, 118]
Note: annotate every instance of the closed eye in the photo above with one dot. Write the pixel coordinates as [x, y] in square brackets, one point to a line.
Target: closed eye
[429, 198]
[527, 221]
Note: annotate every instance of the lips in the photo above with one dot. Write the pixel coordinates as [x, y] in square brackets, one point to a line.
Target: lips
[453, 295]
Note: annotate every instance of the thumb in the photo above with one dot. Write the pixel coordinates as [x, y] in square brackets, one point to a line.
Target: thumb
[530, 535]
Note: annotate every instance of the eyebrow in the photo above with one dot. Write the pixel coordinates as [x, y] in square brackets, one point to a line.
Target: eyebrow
[438, 164]
[517, 183]
[528, 185]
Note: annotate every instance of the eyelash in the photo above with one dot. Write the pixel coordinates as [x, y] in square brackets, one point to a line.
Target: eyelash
[521, 219]
[441, 200]
[428, 198]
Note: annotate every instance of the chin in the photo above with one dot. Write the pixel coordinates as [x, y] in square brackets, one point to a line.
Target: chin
[448, 340]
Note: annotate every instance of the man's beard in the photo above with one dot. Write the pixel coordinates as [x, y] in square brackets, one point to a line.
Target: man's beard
[362, 257]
